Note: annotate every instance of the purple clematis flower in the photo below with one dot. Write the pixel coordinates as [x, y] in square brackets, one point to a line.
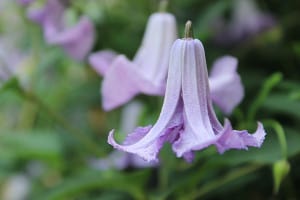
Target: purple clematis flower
[76, 40]
[187, 119]
[124, 79]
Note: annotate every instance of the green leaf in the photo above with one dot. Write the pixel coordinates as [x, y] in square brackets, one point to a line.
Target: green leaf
[12, 83]
[268, 85]
[88, 180]
[281, 103]
[42, 145]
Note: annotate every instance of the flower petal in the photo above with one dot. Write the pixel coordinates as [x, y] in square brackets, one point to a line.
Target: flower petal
[225, 84]
[153, 54]
[50, 13]
[77, 41]
[198, 131]
[123, 81]
[148, 145]
[233, 139]
[100, 61]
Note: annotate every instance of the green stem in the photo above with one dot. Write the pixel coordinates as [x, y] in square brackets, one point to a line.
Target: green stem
[213, 185]
[163, 5]
[28, 115]
[280, 134]
[81, 137]
[188, 32]
[267, 87]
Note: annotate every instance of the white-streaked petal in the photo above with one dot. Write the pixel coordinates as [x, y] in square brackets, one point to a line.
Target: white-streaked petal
[148, 146]
[198, 131]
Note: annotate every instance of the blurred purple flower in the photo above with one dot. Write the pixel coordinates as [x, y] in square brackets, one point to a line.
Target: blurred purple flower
[121, 160]
[225, 85]
[247, 20]
[124, 79]
[76, 40]
[187, 118]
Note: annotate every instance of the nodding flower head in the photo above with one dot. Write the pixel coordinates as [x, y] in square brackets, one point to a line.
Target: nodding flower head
[187, 119]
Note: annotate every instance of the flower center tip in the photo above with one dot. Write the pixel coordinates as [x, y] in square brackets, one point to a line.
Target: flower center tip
[188, 32]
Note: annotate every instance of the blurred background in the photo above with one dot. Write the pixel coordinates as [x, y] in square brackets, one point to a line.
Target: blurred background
[53, 131]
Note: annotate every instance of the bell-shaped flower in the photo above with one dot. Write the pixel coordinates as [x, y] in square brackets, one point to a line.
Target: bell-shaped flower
[187, 119]
[76, 40]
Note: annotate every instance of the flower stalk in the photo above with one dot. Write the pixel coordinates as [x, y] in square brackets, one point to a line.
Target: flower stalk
[163, 5]
[188, 32]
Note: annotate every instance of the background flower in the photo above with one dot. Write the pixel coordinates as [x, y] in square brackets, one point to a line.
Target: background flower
[77, 40]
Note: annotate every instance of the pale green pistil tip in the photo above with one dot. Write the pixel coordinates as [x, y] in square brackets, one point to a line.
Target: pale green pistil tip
[188, 32]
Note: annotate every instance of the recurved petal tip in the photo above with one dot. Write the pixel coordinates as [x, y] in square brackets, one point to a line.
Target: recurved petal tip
[234, 139]
[259, 134]
[148, 151]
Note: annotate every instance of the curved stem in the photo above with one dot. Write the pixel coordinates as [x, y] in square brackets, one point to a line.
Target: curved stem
[267, 87]
[163, 5]
[280, 134]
